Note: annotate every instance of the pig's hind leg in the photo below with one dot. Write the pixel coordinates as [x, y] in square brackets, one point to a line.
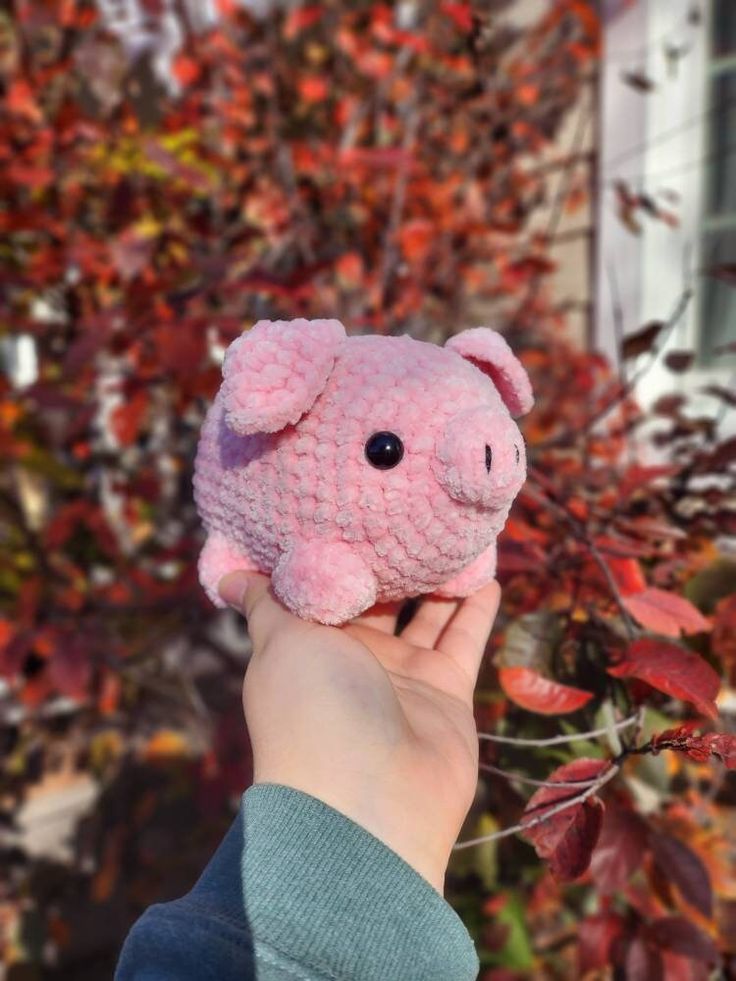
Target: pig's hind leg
[473, 577]
[217, 558]
[327, 582]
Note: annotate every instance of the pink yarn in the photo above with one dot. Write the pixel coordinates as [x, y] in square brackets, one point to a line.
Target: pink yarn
[284, 486]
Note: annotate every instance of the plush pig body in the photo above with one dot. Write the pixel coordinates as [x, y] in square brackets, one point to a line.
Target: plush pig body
[359, 469]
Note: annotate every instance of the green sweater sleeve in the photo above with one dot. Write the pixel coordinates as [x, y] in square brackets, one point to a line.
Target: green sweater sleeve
[327, 899]
[297, 891]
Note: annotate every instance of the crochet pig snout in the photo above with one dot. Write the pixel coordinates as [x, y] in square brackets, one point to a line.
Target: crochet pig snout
[481, 458]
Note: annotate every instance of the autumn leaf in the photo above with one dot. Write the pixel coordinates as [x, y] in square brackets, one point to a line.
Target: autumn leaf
[461, 14]
[20, 100]
[679, 361]
[699, 748]
[313, 88]
[620, 848]
[566, 839]
[723, 639]
[126, 419]
[679, 863]
[535, 693]
[186, 70]
[642, 340]
[596, 936]
[639, 81]
[665, 613]
[301, 19]
[673, 670]
[679, 935]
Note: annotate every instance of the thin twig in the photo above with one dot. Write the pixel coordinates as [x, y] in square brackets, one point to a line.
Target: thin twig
[521, 778]
[623, 391]
[559, 740]
[582, 536]
[609, 774]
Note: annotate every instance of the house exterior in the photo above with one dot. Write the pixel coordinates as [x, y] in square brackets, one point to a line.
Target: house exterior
[668, 133]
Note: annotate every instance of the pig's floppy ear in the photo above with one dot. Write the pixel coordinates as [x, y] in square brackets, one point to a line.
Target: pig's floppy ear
[273, 373]
[488, 350]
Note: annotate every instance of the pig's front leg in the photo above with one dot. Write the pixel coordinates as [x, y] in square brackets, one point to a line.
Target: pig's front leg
[470, 579]
[324, 581]
[217, 558]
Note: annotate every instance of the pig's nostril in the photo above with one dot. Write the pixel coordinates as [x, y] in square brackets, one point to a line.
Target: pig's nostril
[517, 453]
[489, 458]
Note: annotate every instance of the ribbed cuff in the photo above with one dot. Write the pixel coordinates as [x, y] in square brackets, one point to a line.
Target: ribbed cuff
[326, 894]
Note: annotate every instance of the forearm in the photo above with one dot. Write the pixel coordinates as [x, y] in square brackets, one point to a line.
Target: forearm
[297, 890]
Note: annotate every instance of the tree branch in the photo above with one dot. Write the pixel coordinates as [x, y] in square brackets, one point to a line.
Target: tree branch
[559, 740]
[609, 774]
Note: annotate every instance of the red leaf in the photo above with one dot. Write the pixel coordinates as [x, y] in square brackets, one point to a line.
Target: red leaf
[126, 419]
[672, 670]
[301, 19]
[683, 867]
[567, 838]
[620, 849]
[677, 934]
[596, 934]
[642, 962]
[69, 668]
[723, 639]
[19, 100]
[699, 748]
[532, 691]
[572, 856]
[313, 88]
[666, 613]
[461, 14]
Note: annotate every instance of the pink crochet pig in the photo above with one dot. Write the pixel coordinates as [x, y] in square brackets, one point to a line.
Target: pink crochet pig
[359, 469]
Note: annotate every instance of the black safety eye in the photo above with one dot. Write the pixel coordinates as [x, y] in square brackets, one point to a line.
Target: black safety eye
[384, 450]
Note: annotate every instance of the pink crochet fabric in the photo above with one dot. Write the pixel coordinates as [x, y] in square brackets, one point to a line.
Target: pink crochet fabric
[292, 480]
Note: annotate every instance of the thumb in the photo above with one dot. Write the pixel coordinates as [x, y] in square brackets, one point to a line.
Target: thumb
[251, 595]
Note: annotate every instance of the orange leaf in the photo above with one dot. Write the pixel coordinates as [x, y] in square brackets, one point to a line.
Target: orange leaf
[313, 88]
[534, 692]
[665, 613]
[186, 70]
[416, 238]
[19, 99]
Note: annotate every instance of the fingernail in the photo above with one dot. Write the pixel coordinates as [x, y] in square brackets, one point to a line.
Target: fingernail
[232, 588]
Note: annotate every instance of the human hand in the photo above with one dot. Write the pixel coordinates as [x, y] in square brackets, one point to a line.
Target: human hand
[377, 726]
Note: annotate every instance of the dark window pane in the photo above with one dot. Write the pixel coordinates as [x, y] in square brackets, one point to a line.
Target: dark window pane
[724, 27]
[721, 157]
[718, 301]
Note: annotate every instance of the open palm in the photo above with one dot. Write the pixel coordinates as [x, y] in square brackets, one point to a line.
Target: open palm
[376, 725]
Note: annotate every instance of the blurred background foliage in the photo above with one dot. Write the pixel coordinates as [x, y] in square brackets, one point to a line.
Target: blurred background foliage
[380, 163]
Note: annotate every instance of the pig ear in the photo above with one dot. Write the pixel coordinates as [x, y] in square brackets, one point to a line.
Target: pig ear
[488, 350]
[273, 373]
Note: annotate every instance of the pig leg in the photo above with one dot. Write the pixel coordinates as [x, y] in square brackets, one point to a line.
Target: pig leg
[470, 579]
[217, 558]
[324, 581]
